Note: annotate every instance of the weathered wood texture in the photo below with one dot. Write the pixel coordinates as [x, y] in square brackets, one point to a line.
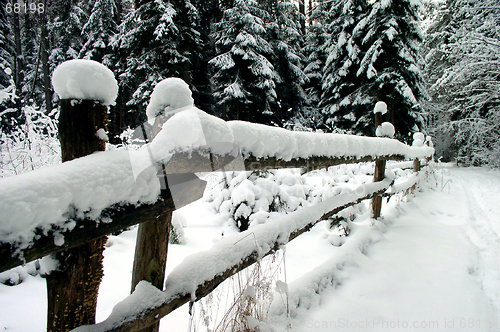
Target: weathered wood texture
[378, 175]
[72, 289]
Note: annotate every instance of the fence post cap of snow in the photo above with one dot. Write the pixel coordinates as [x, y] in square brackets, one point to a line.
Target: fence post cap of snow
[418, 139]
[386, 129]
[169, 96]
[85, 80]
[380, 107]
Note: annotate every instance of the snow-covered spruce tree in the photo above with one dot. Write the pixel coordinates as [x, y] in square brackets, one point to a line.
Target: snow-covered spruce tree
[245, 80]
[209, 13]
[392, 64]
[315, 52]
[310, 118]
[98, 31]
[32, 86]
[8, 97]
[6, 50]
[153, 43]
[463, 56]
[285, 37]
[345, 99]
[65, 30]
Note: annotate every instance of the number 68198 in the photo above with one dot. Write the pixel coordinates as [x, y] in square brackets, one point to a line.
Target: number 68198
[24, 8]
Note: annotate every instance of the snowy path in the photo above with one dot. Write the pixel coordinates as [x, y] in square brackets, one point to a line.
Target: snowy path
[437, 267]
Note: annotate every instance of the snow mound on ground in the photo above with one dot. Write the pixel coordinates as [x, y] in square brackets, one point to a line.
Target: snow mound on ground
[170, 95]
[85, 79]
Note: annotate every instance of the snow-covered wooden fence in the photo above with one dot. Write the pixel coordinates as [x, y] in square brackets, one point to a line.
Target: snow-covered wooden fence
[52, 209]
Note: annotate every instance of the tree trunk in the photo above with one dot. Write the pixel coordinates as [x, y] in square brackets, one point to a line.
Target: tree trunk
[150, 258]
[302, 10]
[72, 289]
[46, 71]
[18, 61]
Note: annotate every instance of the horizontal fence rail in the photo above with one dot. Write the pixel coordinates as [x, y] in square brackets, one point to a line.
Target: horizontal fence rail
[15, 251]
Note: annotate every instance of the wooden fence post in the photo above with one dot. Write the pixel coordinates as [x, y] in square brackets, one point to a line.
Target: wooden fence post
[379, 172]
[151, 246]
[72, 289]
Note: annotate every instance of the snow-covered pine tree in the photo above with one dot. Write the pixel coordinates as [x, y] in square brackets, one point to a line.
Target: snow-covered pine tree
[65, 30]
[7, 85]
[152, 45]
[463, 56]
[285, 35]
[392, 63]
[32, 86]
[6, 50]
[315, 52]
[209, 13]
[245, 80]
[98, 31]
[345, 99]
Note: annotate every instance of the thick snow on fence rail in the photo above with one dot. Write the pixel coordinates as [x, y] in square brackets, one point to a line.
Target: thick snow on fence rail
[225, 255]
[52, 197]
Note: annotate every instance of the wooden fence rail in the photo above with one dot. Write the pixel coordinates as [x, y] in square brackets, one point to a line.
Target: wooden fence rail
[124, 216]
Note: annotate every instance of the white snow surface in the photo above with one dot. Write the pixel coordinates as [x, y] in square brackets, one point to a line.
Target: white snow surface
[169, 96]
[86, 186]
[85, 79]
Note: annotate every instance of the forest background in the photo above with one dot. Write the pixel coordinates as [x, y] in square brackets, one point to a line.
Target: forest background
[310, 66]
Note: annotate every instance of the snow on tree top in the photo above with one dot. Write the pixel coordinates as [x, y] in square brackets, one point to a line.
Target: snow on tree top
[380, 107]
[169, 96]
[85, 79]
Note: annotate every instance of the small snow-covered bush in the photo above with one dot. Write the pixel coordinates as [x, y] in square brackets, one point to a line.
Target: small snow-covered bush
[32, 144]
[249, 198]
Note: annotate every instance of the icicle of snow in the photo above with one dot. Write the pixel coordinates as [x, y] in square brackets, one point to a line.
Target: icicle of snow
[85, 79]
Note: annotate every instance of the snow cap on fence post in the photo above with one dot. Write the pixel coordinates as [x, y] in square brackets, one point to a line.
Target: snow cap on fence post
[380, 107]
[418, 140]
[169, 96]
[386, 129]
[85, 80]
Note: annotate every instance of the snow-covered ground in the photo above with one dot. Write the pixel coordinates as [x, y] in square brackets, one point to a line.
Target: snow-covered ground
[431, 263]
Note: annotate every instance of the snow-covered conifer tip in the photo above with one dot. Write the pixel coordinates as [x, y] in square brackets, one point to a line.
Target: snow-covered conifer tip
[85, 79]
[386, 129]
[380, 107]
[169, 95]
